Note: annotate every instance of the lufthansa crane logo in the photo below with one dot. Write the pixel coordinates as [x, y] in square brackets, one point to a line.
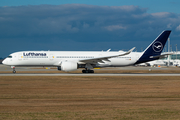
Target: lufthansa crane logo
[157, 46]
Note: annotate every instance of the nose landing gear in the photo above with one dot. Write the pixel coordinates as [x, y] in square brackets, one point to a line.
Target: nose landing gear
[14, 71]
[13, 67]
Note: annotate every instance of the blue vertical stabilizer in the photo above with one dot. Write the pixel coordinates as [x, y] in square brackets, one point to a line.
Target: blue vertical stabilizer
[155, 48]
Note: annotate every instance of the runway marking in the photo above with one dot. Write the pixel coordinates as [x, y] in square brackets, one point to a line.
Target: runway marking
[75, 74]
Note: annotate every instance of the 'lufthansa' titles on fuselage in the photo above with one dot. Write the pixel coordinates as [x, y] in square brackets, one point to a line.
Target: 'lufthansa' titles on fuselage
[34, 54]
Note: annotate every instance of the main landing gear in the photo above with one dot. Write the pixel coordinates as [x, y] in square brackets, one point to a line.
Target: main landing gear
[87, 71]
[88, 68]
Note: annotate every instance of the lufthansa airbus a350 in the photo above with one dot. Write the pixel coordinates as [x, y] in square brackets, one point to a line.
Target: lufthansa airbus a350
[72, 60]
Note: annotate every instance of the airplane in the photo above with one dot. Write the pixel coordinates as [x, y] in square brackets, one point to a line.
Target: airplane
[72, 60]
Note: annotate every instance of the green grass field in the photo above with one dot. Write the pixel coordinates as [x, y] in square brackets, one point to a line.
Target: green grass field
[124, 98]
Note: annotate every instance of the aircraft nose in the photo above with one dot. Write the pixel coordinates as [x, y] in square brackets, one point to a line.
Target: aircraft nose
[4, 61]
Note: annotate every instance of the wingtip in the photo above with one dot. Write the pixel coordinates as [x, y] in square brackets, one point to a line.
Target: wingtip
[132, 49]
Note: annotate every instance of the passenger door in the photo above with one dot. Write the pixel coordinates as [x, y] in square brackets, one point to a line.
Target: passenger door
[20, 56]
[51, 57]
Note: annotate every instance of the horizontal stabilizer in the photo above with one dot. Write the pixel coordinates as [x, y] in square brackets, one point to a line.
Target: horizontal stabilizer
[161, 56]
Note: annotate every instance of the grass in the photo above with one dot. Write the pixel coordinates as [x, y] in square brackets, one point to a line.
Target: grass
[89, 98]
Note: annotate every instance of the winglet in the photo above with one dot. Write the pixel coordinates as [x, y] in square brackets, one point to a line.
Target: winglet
[128, 52]
[131, 49]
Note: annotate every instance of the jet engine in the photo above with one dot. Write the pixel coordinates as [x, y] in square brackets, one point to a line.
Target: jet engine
[68, 66]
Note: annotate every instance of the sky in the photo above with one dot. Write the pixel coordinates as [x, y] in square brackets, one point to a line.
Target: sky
[76, 25]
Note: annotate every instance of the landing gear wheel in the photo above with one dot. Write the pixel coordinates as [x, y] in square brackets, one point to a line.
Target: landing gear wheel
[14, 71]
[87, 71]
[91, 71]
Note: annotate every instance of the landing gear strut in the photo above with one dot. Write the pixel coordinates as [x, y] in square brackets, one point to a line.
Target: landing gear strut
[14, 71]
[87, 71]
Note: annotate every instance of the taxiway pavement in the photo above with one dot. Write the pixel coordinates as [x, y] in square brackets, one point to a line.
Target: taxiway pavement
[75, 74]
[7, 68]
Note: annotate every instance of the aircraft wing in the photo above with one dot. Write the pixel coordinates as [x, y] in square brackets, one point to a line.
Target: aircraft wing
[104, 58]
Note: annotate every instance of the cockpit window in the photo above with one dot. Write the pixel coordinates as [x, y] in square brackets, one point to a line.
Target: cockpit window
[9, 56]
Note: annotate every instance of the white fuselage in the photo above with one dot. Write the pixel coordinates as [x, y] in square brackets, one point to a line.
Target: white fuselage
[54, 58]
[72, 60]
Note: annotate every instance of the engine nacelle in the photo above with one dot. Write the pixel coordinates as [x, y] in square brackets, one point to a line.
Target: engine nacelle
[68, 66]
